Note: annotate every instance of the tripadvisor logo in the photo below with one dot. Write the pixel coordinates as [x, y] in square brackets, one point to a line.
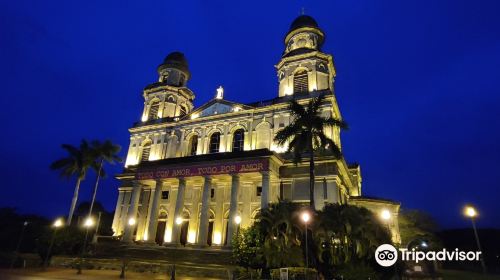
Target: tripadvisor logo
[387, 255]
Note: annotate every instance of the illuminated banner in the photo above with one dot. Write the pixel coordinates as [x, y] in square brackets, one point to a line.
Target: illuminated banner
[203, 170]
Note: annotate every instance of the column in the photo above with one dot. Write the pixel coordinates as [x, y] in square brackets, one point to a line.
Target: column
[233, 207]
[132, 212]
[319, 194]
[264, 197]
[332, 191]
[118, 209]
[153, 214]
[179, 205]
[203, 225]
[124, 212]
[144, 212]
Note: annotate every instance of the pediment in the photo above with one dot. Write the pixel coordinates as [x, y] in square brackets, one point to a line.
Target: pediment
[217, 107]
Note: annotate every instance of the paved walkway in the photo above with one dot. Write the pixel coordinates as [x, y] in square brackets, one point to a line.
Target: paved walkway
[70, 274]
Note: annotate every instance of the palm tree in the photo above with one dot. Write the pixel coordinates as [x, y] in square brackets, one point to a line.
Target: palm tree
[101, 152]
[76, 164]
[279, 224]
[306, 134]
[346, 234]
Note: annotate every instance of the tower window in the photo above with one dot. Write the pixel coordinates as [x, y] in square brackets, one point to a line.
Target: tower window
[170, 99]
[212, 193]
[146, 149]
[214, 142]
[153, 110]
[182, 110]
[165, 77]
[182, 80]
[193, 145]
[300, 82]
[238, 140]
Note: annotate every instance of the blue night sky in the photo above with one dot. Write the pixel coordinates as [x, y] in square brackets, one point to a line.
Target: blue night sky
[418, 82]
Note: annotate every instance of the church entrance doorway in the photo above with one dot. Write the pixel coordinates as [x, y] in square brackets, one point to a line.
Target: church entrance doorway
[225, 234]
[210, 233]
[160, 232]
[184, 233]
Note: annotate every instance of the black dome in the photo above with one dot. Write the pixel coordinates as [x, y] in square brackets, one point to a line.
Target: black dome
[176, 60]
[303, 21]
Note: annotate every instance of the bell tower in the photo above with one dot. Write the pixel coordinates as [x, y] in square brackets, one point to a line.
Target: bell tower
[169, 97]
[303, 67]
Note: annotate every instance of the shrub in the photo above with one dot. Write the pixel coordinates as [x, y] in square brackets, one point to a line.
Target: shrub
[357, 271]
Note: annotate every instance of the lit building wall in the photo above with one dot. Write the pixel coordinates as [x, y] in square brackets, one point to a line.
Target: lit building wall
[169, 121]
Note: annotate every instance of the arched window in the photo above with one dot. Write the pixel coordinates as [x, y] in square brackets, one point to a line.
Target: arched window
[214, 143]
[238, 140]
[170, 107]
[146, 149]
[153, 110]
[300, 82]
[182, 110]
[193, 145]
[170, 99]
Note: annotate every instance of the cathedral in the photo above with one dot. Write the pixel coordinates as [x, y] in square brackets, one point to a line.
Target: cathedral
[192, 175]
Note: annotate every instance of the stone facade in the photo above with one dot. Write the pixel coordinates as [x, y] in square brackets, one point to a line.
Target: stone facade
[194, 175]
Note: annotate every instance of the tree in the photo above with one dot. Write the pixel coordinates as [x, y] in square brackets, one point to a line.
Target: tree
[345, 234]
[357, 271]
[342, 237]
[76, 163]
[102, 152]
[415, 226]
[247, 248]
[306, 134]
[69, 241]
[11, 225]
[280, 228]
[106, 218]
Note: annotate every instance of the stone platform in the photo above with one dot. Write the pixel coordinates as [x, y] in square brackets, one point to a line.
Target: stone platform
[145, 258]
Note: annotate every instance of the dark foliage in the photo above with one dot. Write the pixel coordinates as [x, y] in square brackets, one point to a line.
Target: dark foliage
[340, 237]
[106, 220]
[11, 227]
[68, 241]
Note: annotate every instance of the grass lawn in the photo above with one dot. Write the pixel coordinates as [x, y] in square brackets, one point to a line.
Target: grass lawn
[466, 275]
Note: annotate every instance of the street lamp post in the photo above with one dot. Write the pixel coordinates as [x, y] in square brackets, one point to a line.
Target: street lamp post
[87, 224]
[25, 224]
[57, 224]
[305, 218]
[471, 212]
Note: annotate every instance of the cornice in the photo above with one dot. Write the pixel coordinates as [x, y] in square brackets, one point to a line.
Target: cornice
[244, 114]
[298, 57]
